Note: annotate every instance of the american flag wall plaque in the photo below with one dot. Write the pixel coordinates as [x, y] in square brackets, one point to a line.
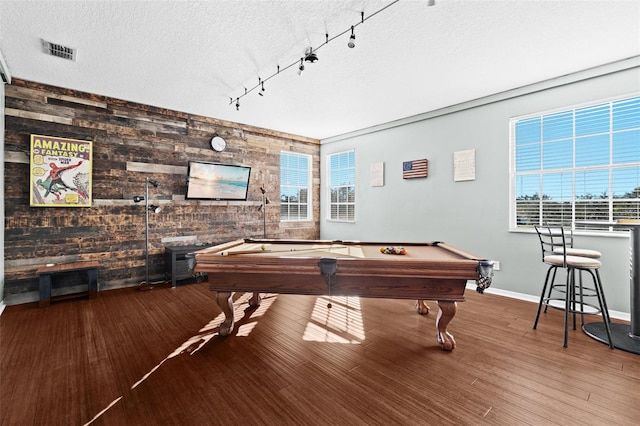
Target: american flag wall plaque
[415, 169]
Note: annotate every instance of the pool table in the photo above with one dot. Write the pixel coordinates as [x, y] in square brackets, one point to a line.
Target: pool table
[417, 271]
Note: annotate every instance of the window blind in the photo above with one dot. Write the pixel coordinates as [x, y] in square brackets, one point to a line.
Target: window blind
[342, 189]
[577, 164]
[295, 184]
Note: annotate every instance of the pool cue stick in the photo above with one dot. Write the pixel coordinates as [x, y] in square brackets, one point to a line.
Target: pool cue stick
[312, 249]
[254, 251]
[232, 253]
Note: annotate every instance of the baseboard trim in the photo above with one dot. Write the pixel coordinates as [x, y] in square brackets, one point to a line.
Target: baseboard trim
[624, 316]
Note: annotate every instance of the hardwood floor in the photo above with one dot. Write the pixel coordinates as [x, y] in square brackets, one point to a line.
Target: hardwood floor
[154, 358]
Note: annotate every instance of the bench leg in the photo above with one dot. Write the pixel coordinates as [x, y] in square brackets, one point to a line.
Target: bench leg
[45, 290]
[92, 275]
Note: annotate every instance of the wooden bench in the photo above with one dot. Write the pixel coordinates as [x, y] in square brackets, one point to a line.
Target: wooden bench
[46, 274]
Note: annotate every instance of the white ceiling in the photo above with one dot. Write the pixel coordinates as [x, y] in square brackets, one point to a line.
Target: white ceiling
[193, 56]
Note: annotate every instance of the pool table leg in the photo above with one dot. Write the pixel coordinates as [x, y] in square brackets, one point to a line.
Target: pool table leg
[226, 304]
[421, 307]
[255, 300]
[445, 315]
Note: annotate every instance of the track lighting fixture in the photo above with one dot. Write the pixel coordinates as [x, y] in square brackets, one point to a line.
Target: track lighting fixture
[138, 198]
[154, 209]
[310, 53]
[155, 183]
[309, 56]
[431, 2]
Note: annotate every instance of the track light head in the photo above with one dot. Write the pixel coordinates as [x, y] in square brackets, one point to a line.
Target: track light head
[155, 183]
[301, 67]
[352, 39]
[431, 2]
[309, 56]
[154, 209]
[261, 92]
[237, 104]
[138, 198]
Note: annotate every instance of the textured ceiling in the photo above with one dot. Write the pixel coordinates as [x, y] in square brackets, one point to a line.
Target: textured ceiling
[193, 56]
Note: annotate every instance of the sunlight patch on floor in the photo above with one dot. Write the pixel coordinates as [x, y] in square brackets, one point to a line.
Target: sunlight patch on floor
[206, 333]
[245, 329]
[267, 301]
[342, 323]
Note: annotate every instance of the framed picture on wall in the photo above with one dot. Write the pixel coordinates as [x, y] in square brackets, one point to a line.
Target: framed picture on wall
[464, 165]
[60, 172]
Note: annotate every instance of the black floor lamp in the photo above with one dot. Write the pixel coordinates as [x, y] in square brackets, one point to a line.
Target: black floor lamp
[263, 209]
[147, 208]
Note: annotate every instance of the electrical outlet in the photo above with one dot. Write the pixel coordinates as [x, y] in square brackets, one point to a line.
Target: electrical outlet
[496, 265]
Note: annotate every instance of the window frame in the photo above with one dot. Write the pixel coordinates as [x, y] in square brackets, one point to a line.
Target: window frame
[309, 203]
[573, 204]
[350, 206]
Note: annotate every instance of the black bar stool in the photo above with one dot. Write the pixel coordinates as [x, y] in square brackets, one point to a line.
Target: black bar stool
[556, 249]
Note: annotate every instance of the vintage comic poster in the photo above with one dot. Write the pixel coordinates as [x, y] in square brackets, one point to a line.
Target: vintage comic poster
[60, 172]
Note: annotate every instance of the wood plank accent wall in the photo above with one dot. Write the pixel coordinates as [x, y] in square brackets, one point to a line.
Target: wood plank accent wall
[131, 142]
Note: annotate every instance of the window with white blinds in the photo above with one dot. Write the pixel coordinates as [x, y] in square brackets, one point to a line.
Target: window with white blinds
[576, 164]
[342, 186]
[295, 186]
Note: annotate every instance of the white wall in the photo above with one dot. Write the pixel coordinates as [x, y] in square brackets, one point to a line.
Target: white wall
[472, 215]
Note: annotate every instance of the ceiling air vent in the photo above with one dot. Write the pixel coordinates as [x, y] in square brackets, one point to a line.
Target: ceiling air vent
[59, 50]
[4, 71]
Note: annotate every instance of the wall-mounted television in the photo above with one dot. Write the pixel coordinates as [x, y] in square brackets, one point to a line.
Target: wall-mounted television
[214, 181]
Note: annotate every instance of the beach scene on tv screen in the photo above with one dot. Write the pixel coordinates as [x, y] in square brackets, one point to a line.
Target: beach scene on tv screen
[218, 181]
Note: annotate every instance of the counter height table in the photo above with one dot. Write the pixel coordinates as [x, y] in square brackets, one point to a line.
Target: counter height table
[625, 337]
